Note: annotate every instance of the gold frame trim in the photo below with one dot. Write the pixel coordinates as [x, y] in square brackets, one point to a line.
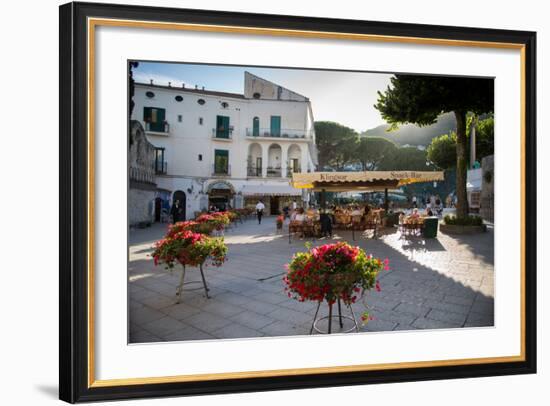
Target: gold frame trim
[94, 22]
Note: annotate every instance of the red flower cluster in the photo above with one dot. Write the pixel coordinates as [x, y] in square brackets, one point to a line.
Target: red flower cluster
[188, 248]
[331, 272]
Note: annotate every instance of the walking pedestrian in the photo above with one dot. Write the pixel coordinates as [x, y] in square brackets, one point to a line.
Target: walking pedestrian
[260, 207]
[177, 212]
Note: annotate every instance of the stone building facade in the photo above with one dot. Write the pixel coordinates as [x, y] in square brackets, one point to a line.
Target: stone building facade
[227, 149]
[487, 209]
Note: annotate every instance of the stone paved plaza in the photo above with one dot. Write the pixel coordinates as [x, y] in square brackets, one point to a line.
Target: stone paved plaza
[446, 282]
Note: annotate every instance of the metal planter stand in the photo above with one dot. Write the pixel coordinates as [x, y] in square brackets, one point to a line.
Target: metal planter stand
[180, 290]
[330, 316]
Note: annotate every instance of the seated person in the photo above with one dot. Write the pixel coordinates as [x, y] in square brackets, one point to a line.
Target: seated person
[414, 214]
[356, 212]
[401, 218]
[367, 210]
[429, 212]
[300, 216]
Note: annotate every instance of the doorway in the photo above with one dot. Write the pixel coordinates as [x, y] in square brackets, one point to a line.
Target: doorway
[180, 195]
[158, 209]
[274, 205]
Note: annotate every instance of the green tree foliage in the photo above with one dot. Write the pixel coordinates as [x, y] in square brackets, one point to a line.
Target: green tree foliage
[442, 150]
[404, 159]
[421, 99]
[485, 138]
[335, 144]
[371, 151]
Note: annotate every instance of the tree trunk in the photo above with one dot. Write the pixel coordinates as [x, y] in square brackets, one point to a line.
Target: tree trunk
[461, 167]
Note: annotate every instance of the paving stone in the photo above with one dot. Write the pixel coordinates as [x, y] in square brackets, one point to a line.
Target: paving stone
[445, 317]
[411, 308]
[448, 307]
[207, 322]
[142, 336]
[281, 328]
[252, 319]
[159, 302]
[144, 315]
[290, 316]
[222, 309]
[424, 323]
[188, 333]
[163, 326]
[378, 325]
[180, 311]
[235, 330]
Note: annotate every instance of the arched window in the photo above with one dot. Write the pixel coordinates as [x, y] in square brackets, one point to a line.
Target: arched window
[255, 127]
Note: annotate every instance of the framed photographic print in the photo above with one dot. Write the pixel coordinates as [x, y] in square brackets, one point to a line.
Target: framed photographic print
[259, 202]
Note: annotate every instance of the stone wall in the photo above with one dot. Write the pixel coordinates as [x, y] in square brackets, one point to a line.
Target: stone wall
[141, 166]
[140, 207]
[487, 210]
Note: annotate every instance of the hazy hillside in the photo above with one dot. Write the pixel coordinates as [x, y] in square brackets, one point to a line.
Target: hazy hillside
[414, 135]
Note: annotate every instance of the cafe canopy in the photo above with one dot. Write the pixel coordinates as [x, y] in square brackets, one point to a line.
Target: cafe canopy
[361, 181]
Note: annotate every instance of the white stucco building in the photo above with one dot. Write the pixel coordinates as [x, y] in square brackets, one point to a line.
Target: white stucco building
[226, 148]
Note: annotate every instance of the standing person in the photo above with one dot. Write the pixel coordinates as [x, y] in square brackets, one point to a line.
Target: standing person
[177, 212]
[260, 207]
[294, 205]
[414, 204]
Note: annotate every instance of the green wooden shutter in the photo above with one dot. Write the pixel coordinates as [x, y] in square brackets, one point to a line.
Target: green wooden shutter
[256, 127]
[275, 126]
[222, 127]
[155, 117]
[221, 161]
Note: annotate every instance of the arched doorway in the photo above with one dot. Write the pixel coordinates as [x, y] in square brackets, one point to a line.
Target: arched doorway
[220, 194]
[182, 198]
[274, 154]
[294, 158]
[254, 164]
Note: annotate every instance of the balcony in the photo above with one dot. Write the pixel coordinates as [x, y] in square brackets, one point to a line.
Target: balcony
[283, 133]
[252, 170]
[274, 172]
[221, 170]
[161, 167]
[219, 134]
[162, 129]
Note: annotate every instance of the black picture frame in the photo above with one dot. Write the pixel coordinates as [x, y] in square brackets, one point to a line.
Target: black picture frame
[74, 385]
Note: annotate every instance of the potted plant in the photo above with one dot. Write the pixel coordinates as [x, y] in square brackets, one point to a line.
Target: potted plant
[187, 248]
[333, 273]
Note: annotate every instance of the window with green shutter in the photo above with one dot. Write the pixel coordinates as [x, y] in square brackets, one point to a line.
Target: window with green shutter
[275, 126]
[221, 161]
[154, 118]
[222, 127]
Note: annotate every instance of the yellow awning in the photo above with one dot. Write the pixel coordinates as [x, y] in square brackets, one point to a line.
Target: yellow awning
[362, 181]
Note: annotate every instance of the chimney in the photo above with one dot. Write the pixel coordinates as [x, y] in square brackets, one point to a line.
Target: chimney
[183, 85]
[196, 87]
[203, 88]
[169, 84]
[151, 81]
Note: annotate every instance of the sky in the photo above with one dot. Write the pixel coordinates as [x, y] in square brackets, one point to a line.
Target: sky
[344, 97]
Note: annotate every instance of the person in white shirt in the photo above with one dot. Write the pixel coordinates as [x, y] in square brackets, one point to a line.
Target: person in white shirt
[260, 207]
